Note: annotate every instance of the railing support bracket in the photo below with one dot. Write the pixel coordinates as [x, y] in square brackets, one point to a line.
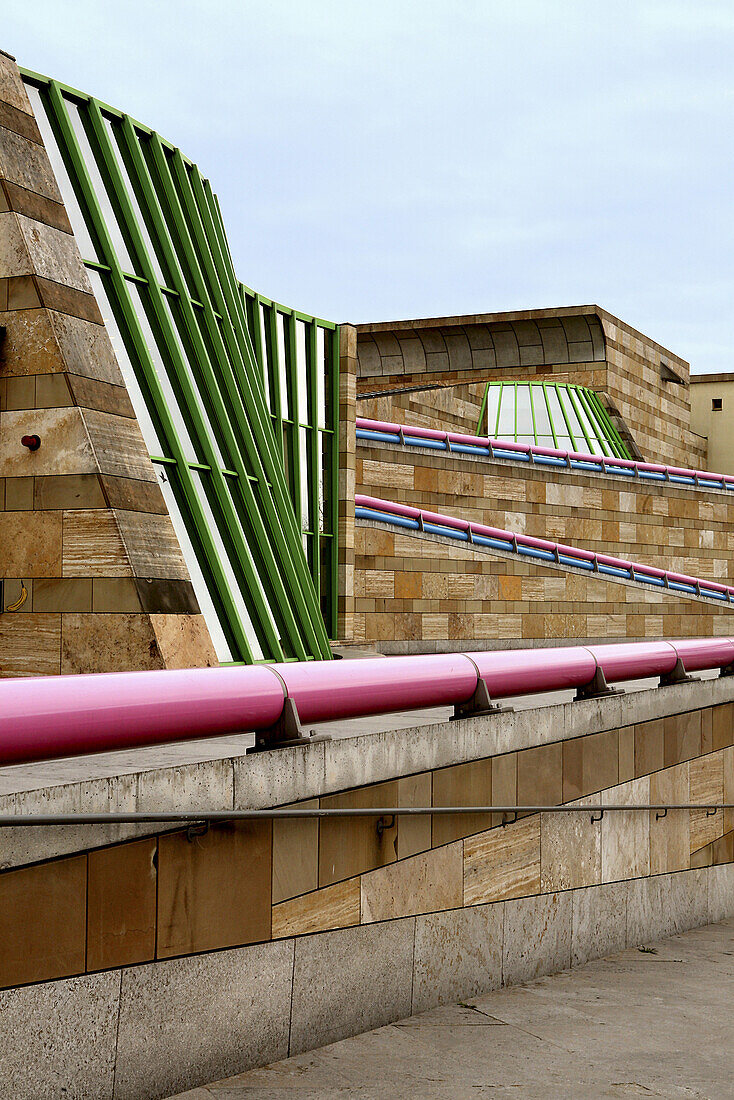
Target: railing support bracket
[678, 675]
[479, 704]
[286, 731]
[598, 688]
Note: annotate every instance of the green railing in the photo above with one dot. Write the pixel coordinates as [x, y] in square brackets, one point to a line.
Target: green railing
[236, 396]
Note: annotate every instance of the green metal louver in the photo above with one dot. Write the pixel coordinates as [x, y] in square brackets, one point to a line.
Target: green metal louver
[550, 414]
[236, 395]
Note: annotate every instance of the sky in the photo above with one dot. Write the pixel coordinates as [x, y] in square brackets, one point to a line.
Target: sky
[383, 160]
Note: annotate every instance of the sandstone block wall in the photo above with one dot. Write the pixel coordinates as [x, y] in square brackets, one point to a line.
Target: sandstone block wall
[584, 344]
[419, 593]
[685, 530]
[84, 530]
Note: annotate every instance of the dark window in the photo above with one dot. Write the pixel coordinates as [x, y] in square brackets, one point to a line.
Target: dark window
[716, 404]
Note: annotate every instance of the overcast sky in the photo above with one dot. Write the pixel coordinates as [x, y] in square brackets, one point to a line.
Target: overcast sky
[388, 159]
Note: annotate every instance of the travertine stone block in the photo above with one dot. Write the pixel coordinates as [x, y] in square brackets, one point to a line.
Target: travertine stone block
[414, 833]
[502, 862]
[570, 848]
[36, 950]
[212, 1016]
[706, 786]
[121, 900]
[462, 785]
[60, 1031]
[590, 763]
[720, 892]
[336, 906]
[29, 347]
[540, 776]
[107, 643]
[457, 955]
[670, 836]
[537, 937]
[86, 348]
[649, 747]
[349, 846]
[295, 855]
[599, 922]
[723, 726]
[53, 255]
[93, 545]
[335, 979]
[25, 163]
[118, 445]
[31, 544]
[67, 447]
[30, 645]
[151, 545]
[625, 844]
[423, 883]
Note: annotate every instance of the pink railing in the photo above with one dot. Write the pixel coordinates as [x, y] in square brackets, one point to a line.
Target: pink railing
[70, 715]
[543, 549]
[456, 442]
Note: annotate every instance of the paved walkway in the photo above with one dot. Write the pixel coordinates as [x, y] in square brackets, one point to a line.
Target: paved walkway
[647, 1022]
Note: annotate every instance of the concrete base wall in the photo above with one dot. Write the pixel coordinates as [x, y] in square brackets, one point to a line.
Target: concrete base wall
[150, 1031]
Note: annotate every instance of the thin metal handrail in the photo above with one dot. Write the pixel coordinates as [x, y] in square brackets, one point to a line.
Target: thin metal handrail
[194, 816]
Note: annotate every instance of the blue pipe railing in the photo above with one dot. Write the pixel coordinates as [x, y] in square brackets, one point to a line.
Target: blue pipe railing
[479, 534]
[455, 443]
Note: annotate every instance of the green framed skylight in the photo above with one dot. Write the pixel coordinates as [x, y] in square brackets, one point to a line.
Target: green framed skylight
[550, 414]
[236, 395]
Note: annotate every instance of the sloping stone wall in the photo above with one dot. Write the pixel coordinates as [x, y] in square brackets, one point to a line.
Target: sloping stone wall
[84, 530]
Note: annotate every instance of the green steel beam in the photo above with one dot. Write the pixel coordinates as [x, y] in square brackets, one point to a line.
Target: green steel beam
[137, 347]
[212, 328]
[482, 410]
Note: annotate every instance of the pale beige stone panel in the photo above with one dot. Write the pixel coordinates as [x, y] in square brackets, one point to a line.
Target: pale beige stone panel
[706, 786]
[570, 846]
[670, 836]
[421, 884]
[625, 844]
[457, 955]
[67, 450]
[335, 906]
[599, 922]
[502, 862]
[537, 937]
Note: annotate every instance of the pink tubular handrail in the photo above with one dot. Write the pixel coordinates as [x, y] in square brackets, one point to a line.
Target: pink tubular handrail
[46, 717]
[420, 515]
[447, 437]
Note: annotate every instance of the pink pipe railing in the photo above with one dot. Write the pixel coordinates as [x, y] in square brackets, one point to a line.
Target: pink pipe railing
[403, 430]
[48, 717]
[422, 516]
